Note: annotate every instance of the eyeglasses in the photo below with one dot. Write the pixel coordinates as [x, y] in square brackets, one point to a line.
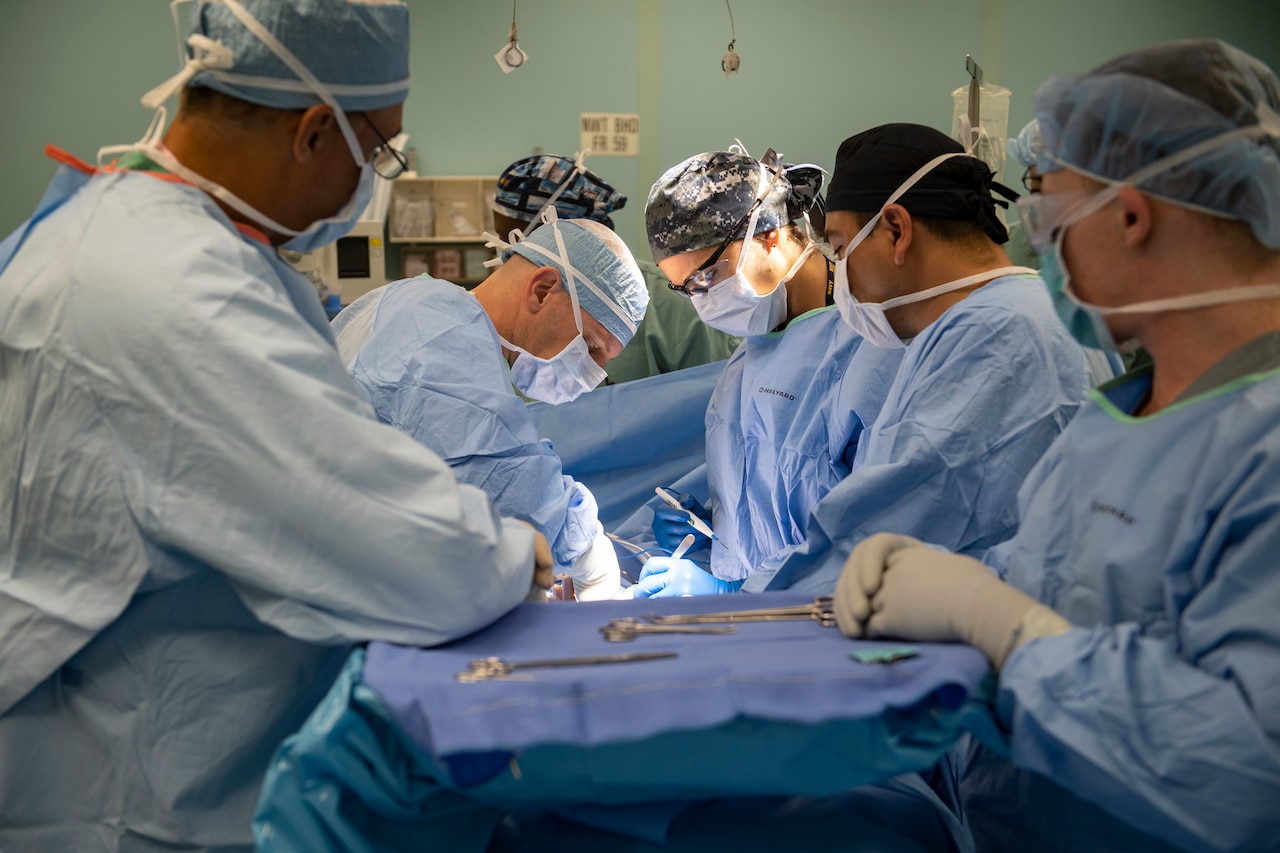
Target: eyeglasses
[388, 162]
[1030, 182]
[1043, 215]
[713, 270]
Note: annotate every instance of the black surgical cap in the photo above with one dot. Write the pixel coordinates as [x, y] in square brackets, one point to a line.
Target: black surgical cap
[872, 165]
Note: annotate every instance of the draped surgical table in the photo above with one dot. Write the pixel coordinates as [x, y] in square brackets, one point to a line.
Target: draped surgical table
[403, 756]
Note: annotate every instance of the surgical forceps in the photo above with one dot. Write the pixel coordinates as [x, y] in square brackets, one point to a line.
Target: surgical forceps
[485, 669]
[822, 610]
[627, 629]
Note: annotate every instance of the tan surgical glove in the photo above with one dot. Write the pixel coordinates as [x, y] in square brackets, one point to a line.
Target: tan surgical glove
[895, 586]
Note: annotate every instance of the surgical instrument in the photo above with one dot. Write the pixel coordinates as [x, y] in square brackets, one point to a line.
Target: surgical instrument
[698, 524]
[485, 669]
[822, 609]
[627, 629]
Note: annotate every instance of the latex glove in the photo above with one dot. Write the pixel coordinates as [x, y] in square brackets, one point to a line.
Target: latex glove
[896, 586]
[670, 525]
[595, 573]
[668, 577]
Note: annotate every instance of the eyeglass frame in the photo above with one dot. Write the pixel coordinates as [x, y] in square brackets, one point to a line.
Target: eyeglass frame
[688, 290]
[1044, 215]
[385, 147]
[1030, 182]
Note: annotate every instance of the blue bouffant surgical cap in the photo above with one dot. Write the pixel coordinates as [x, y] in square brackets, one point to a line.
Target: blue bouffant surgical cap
[1140, 107]
[697, 203]
[608, 282]
[526, 185]
[359, 49]
[1025, 147]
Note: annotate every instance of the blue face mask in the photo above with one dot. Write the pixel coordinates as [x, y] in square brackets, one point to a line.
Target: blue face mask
[1085, 322]
[324, 231]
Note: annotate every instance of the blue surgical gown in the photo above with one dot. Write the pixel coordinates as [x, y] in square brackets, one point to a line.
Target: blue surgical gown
[1159, 538]
[199, 515]
[783, 427]
[429, 360]
[981, 394]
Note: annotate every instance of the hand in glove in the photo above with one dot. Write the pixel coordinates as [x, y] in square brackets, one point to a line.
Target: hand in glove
[896, 586]
[670, 525]
[668, 577]
[595, 573]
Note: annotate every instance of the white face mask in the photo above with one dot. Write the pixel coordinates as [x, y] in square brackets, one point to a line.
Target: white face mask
[564, 377]
[734, 307]
[868, 319]
[210, 55]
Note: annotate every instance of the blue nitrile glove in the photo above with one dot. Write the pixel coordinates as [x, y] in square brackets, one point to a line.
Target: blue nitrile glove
[670, 525]
[667, 577]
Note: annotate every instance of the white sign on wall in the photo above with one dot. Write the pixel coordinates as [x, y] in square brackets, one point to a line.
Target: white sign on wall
[610, 134]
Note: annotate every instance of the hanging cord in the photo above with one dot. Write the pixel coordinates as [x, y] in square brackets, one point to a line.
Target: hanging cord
[511, 57]
[730, 61]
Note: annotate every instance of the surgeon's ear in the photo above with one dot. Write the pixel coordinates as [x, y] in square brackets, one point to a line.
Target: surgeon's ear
[312, 132]
[542, 282]
[898, 222]
[1138, 216]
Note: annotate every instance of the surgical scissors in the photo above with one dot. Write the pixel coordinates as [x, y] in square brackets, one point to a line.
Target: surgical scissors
[628, 628]
[821, 609]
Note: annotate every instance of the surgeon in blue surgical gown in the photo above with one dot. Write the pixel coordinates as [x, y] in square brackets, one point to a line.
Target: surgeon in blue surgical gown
[1136, 628]
[792, 404]
[989, 377]
[438, 362]
[199, 514]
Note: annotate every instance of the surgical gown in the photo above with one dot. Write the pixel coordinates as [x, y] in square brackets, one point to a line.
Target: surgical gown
[199, 515]
[783, 427]
[430, 361]
[981, 394]
[1158, 538]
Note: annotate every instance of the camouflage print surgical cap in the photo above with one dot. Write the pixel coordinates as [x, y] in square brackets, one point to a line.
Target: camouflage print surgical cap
[697, 203]
[525, 186]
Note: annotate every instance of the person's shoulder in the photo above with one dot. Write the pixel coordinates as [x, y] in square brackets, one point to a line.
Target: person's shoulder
[1006, 304]
[143, 240]
[1010, 320]
[1007, 295]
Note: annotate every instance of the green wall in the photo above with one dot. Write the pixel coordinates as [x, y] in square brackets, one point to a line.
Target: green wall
[813, 72]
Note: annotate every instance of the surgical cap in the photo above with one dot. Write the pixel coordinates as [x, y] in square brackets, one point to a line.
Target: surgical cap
[1024, 147]
[525, 186]
[1127, 113]
[697, 203]
[872, 165]
[599, 255]
[358, 48]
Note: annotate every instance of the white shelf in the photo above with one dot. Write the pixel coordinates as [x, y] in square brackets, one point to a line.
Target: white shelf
[441, 209]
